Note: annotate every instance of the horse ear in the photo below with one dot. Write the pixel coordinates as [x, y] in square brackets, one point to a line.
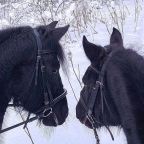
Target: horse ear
[52, 25]
[116, 38]
[44, 29]
[92, 51]
[58, 33]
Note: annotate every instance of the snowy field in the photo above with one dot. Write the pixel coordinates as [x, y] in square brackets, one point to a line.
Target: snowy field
[73, 132]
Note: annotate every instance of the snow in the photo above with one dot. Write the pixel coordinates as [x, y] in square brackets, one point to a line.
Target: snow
[73, 131]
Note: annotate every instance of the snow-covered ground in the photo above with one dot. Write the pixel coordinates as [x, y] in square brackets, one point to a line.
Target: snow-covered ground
[73, 132]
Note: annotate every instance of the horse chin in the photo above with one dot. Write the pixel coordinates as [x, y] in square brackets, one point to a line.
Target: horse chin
[57, 117]
[88, 124]
[53, 122]
[49, 123]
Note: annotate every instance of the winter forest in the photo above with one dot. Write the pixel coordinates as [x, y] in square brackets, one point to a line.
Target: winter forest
[93, 18]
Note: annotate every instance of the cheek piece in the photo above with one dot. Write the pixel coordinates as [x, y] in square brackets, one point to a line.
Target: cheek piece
[98, 87]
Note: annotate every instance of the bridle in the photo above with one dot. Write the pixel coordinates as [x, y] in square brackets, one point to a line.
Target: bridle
[49, 100]
[98, 87]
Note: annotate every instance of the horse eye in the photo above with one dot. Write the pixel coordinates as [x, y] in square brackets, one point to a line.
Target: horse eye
[54, 71]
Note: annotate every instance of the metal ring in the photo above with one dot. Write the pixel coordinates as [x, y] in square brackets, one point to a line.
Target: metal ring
[48, 111]
[100, 83]
[38, 57]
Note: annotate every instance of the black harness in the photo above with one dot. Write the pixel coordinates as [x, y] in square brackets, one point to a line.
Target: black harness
[49, 101]
[98, 87]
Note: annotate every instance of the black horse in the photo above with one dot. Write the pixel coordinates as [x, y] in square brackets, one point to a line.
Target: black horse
[29, 75]
[120, 97]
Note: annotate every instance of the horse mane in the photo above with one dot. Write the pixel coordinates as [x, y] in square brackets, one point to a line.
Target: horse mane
[8, 33]
[127, 60]
[130, 66]
[127, 67]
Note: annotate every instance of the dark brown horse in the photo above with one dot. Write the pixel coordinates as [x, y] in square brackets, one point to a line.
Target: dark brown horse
[29, 72]
[119, 75]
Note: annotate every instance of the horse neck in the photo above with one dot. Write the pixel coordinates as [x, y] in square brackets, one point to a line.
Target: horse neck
[13, 52]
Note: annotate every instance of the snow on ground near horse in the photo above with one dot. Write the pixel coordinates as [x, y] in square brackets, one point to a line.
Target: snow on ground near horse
[73, 131]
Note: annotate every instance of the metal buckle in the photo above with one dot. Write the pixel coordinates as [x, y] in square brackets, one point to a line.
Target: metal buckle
[47, 112]
[38, 57]
[100, 83]
[43, 68]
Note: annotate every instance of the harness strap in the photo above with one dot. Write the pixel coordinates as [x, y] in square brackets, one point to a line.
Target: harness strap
[38, 41]
[46, 86]
[19, 124]
[98, 87]
[94, 128]
[27, 120]
[93, 97]
[41, 115]
[55, 101]
[37, 68]
[24, 122]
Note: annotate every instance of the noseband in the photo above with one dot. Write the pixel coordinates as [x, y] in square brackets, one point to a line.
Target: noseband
[98, 87]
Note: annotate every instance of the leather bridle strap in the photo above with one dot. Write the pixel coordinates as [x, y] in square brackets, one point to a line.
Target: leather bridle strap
[98, 87]
[41, 115]
[46, 87]
[93, 97]
[50, 105]
[19, 124]
[49, 100]
[99, 84]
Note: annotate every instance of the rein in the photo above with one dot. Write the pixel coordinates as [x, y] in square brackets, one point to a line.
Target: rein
[49, 101]
[98, 87]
